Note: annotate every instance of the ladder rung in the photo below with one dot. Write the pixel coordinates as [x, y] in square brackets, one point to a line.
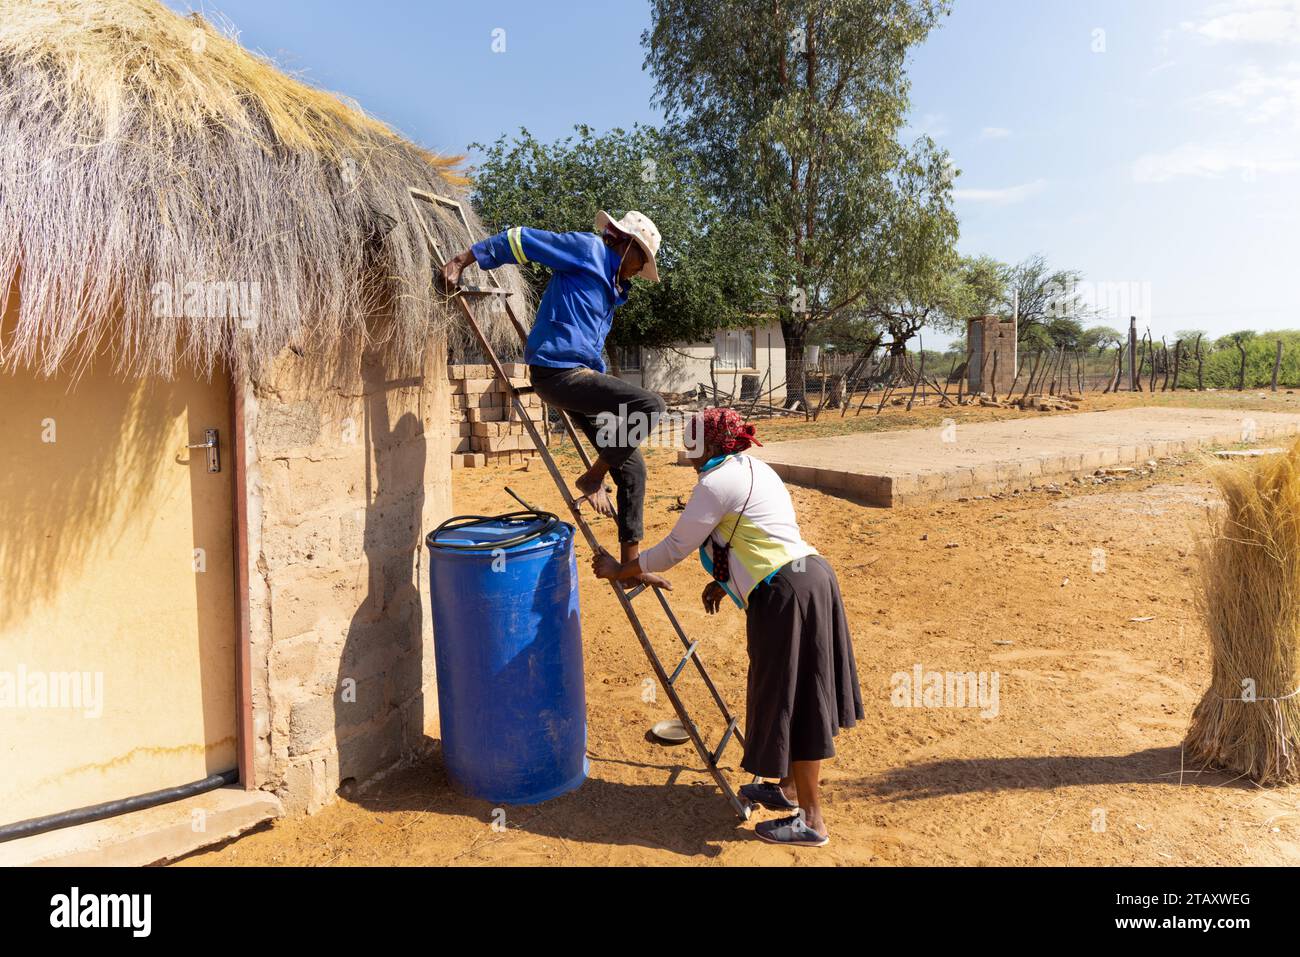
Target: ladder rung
[522, 390]
[633, 592]
[682, 664]
[722, 745]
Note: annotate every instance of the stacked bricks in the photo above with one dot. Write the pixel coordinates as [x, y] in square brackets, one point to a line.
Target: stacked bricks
[486, 428]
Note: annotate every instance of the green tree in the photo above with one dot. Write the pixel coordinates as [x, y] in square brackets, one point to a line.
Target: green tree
[1055, 333]
[1101, 338]
[986, 286]
[1223, 366]
[917, 278]
[794, 108]
[941, 294]
[851, 330]
[1045, 297]
[710, 264]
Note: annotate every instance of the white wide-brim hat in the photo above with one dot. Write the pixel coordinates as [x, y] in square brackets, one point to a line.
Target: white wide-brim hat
[640, 228]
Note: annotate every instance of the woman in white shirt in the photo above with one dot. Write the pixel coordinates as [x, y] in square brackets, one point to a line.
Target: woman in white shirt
[803, 683]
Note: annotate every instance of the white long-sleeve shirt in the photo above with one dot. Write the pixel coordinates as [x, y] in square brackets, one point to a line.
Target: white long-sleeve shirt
[766, 537]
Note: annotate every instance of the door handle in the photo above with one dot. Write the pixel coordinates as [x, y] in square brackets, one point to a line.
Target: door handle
[213, 445]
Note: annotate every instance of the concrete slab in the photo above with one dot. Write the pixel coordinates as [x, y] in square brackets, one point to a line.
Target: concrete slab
[151, 836]
[923, 465]
[1248, 453]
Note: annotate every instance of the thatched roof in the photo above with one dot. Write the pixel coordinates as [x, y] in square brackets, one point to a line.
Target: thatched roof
[148, 161]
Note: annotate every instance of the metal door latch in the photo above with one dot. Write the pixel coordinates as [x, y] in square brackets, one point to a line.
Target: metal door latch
[213, 445]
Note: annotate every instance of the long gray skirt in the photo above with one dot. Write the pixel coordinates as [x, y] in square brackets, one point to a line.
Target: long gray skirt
[803, 681]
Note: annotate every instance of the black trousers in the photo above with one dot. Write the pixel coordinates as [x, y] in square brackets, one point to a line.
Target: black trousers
[616, 417]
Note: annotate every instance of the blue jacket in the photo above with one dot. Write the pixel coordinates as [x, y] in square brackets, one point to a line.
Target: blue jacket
[577, 308]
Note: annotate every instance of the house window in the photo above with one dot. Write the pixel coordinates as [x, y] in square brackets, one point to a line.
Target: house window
[734, 348]
[629, 358]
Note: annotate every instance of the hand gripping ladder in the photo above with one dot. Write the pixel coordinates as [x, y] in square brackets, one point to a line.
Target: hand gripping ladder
[667, 681]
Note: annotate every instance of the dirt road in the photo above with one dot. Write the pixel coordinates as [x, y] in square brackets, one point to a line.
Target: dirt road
[1082, 604]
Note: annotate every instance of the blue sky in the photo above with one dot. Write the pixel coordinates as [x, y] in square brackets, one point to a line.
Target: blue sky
[1152, 144]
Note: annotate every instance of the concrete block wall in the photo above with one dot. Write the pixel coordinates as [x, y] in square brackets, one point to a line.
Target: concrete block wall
[348, 470]
[991, 337]
[486, 428]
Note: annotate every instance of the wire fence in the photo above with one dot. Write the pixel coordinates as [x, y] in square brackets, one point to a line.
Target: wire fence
[840, 380]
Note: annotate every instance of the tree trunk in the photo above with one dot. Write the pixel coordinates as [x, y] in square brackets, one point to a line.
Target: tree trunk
[920, 375]
[836, 399]
[795, 334]
[1241, 373]
[1200, 367]
[1033, 373]
[1134, 372]
[1152, 388]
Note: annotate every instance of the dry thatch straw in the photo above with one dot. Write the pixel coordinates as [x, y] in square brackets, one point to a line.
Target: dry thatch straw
[145, 155]
[1249, 720]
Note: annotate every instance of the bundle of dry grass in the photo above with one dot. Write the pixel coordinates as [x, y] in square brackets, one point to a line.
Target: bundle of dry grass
[148, 161]
[1249, 720]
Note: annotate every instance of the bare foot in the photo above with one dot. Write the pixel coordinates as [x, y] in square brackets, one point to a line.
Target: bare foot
[594, 491]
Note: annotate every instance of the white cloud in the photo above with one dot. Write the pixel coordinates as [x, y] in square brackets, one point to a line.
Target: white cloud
[1210, 161]
[994, 133]
[1258, 96]
[1275, 22]
[1001, 197]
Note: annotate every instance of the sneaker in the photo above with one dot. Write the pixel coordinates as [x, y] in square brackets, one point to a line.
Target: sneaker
[791, 830]
[769, 795]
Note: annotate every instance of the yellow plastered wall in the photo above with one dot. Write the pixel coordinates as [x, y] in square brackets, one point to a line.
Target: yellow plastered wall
[117, 625]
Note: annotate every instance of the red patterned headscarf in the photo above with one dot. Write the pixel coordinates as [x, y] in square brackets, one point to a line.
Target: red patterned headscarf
[725, 430]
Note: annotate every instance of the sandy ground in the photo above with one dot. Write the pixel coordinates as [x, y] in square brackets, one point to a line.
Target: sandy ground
[1081, 602]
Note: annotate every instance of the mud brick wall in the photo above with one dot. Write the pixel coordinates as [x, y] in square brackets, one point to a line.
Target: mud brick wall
[486, 428]
[348, 468]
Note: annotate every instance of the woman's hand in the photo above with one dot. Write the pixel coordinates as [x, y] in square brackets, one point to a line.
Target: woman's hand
[712, 597]
[605, 565]
[653, 580]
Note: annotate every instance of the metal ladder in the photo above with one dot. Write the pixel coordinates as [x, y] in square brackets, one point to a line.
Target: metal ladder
[625, 597]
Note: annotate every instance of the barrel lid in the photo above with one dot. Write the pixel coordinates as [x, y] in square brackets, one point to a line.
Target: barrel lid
[517, 531]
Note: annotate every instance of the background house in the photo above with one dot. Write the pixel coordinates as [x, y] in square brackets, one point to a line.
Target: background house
[735, 353]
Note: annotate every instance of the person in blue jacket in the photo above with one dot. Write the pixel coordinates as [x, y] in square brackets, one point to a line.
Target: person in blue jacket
[591, 275]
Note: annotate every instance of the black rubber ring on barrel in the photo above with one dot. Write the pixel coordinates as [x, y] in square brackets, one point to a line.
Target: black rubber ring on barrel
[469, 521]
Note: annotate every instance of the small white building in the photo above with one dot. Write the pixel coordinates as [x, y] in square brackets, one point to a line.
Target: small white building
[736, 353]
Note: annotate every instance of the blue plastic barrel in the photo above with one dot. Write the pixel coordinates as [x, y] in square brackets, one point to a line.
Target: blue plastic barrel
[508, 647]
